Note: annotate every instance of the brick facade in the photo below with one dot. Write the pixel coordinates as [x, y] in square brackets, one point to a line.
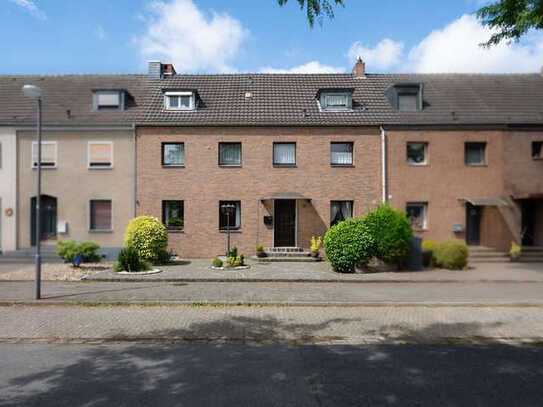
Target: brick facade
[202, 183]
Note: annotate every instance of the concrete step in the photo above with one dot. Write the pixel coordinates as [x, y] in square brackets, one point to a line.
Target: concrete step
[284, 259]
[531, 260]
[527, 249]
[489, 260]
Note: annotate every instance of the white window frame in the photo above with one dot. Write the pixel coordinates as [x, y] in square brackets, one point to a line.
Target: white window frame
[43, 143]
[338, 108]
[108, 106]
[423, 163]
[110, 166]
[89, 211]
[167, 101]
[424, 213]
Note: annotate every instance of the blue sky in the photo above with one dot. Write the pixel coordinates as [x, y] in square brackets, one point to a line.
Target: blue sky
[104, 36]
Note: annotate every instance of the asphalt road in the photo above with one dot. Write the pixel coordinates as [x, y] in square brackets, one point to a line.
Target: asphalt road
[280, 375]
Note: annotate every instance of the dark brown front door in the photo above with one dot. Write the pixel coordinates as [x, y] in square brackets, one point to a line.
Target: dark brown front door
[473, 224]
[285, 223]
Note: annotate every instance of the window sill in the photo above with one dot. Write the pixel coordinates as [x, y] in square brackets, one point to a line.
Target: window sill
[476, 165]
[100, 230]
[172, 166]
[230, 166]
[417, 165]
[175, 231]
[285, 166]
[99, 168]
[231, 231]
[342, 165]
[45, 168]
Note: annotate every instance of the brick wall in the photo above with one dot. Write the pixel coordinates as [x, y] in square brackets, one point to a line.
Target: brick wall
[201, 184]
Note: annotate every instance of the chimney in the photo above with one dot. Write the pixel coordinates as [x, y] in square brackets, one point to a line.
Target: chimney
[359, 70]
[154, 69]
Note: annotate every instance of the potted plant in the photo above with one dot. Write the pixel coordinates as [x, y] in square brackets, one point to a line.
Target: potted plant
[260, 251]
[515, 251]
[316, 244]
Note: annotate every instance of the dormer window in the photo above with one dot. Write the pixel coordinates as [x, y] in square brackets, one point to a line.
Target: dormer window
[108, 100]
[406, 97]
[179, 100]
[336, 100]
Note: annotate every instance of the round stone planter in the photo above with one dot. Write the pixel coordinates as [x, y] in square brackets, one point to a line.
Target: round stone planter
[230, 268]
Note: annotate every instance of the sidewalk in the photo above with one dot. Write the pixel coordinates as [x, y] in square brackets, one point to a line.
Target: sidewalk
[264, 293]
[271, 324]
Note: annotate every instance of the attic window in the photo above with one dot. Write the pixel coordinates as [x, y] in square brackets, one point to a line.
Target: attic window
[108, 100]
[408, 102]
[406, 97]
[179, 100]
[336, 100]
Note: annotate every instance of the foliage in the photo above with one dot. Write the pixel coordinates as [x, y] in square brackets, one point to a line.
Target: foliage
[130, 260]
[164, 257]
[216, 262]
[148, 236]
[451, 254]
[70, 249]
[176, 223]
[259, 248]
[233, 252]
[515, 251]
[511, 18]
[315, 9]
[235, 261]
[348, 244]
[316, 244]
[391, 233]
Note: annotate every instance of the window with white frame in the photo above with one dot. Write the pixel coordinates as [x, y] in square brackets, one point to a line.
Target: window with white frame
[475, 153]
[229, 215]
[336, 100]
[284, 154]
[230, 154]
[417, 153]
[173, 215]
[341, 153]
[100, 154]
[100, 215]
[179, 100]
[48, 154]
[340, 211]
[417, 213]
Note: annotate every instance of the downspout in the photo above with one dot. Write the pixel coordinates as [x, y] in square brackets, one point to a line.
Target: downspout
[384, 166]
[135, 169]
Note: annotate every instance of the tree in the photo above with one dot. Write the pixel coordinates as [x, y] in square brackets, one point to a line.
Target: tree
[316, 8]
[511, 18]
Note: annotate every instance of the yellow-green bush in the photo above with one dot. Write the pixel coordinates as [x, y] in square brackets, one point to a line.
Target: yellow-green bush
[451, 254]
[148, 236]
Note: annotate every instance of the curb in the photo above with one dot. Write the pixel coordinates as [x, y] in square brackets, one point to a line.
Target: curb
[178, 303]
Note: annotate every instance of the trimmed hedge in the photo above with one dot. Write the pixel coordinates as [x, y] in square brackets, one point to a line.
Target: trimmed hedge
[348, 244]
[148, 236]
[391, 234]
[451, 254]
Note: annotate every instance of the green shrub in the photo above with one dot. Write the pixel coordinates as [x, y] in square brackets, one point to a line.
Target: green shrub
[451, 254]
[164, 257]
[259, 248]
[217, 262]
[233, 252]
[70, 249]
[148, 236]
[391, 233]
[348, 244]
[428, 252]
[235, 261]
[130, 260]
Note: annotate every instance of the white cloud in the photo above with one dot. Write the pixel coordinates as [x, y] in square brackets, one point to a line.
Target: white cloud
[180, 33]
[310, 67]
[384, 55]
[31, 7]
[456, 48]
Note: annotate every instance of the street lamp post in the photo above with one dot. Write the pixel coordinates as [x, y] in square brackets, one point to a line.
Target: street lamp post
[228, 208]
[35, 93]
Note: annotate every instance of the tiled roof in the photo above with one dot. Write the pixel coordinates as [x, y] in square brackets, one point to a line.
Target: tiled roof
[279, 100]
[71, 93]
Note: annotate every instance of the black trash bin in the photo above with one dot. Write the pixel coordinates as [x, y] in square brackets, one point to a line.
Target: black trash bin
[414, 258]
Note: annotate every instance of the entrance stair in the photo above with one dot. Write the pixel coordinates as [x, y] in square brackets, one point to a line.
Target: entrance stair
[24, 256]
[531, 254]
[287, 254]
[482, 254]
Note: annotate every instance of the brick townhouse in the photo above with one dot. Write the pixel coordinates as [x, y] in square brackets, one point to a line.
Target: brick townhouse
[293, 154]
[275, 158]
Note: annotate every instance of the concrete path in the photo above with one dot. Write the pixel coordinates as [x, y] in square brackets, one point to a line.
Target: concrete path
[135, 375]
[354, 325]
[277, 293]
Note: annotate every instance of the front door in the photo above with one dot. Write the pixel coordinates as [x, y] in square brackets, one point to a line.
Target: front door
[285, 223]
[48, 218]
[473, 224]
[528, 222]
